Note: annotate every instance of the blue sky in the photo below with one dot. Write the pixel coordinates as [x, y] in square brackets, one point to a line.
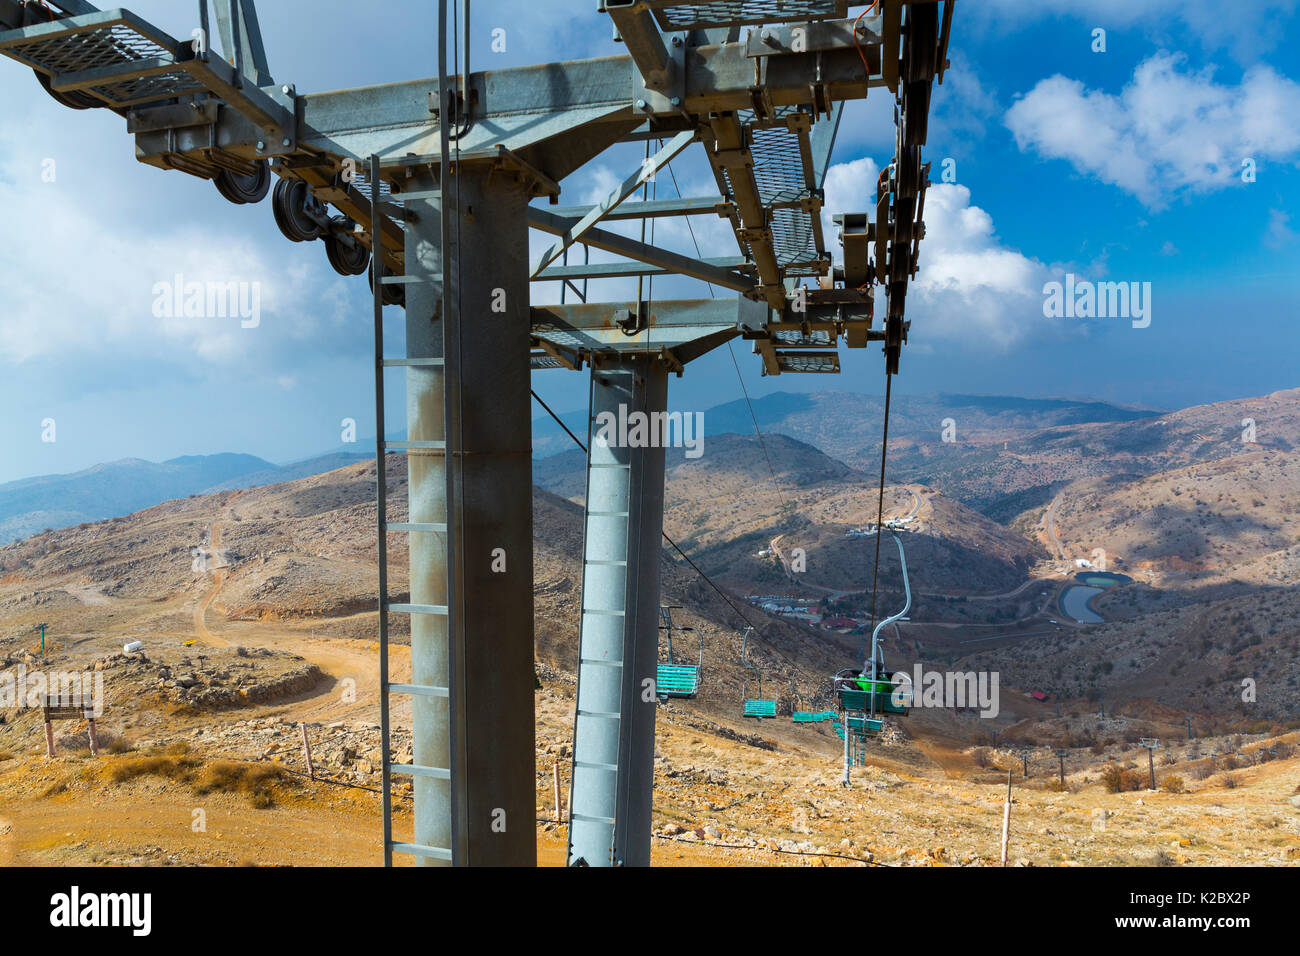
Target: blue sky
[1116, 165]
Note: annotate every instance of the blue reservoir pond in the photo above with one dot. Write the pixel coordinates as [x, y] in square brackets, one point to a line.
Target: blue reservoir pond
[1074, 602]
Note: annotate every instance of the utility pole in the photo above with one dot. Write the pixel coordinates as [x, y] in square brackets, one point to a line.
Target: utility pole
[1024, 759]
[1189, 729]
[41, 628]
[1151, 743]
[1061, 755]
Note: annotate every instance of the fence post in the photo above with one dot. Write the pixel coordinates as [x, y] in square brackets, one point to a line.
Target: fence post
[1006, 821]
[306, 751]
[559, 808]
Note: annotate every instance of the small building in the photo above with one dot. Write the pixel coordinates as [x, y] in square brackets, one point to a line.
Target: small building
[1038, 695]
[839, 623]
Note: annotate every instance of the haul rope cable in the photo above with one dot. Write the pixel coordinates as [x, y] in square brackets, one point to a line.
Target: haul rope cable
[671, 542]
[880, 512]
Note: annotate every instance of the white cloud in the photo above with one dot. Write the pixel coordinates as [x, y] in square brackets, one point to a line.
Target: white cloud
[1169, 132]
[80, 283]
[850, 187]
[971, 288]
[80, 287]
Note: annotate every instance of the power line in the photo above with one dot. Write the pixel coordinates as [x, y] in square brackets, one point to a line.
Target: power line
[671, 542]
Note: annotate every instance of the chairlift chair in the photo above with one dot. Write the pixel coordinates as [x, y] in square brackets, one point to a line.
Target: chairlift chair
[871, 690]
[757, 707]
[673, 680]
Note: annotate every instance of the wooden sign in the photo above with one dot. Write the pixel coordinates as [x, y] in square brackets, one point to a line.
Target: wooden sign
[60, 709]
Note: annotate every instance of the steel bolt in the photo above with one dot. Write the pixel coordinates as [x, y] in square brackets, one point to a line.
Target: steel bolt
[285, 142]
[261, 146]
[641, 104]
[676, 101]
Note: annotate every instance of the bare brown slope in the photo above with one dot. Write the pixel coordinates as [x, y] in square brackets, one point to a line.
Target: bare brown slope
[304, 551]
[1234, 519]
[742, 493]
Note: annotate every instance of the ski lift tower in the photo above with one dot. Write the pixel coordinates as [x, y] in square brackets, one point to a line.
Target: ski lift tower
[428, 185]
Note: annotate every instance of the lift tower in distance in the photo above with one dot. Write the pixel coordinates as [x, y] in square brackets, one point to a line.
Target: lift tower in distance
[430, 187]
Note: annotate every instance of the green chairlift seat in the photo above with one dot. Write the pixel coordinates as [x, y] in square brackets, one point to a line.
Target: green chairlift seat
[877, 701]
[813, 716]
[756, 707]
[677, 680]
[864, 725]
[673, 680]
[861, 725]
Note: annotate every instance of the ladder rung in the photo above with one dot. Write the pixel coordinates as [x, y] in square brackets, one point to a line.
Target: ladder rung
[426, 194]
[408, 526]
[411, 280]
[599, 663]
[419, 690]
[415, 770]
[417, 609]
[411, 445]
[596, 766]
[415, 363]
[588, 818]
[415, 849]
[600, 713]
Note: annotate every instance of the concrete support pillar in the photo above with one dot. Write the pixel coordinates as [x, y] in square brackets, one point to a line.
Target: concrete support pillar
[480, 487]
[614, 728]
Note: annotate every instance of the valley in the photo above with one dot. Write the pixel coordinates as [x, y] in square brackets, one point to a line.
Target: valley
[255, 610]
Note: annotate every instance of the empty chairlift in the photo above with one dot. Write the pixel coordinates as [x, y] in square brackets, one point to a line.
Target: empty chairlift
[673, 680]
[801, 714]
[757, 707]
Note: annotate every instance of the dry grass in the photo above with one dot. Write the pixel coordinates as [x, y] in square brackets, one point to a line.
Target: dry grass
[257, 781]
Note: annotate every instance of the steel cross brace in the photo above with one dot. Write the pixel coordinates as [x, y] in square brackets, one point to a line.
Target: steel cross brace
[649, 169]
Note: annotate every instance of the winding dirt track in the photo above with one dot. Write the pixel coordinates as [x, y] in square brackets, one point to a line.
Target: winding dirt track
[352, 666]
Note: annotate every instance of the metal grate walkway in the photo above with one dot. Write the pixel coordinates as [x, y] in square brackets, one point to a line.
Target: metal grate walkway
[725, 13]
[114, 57]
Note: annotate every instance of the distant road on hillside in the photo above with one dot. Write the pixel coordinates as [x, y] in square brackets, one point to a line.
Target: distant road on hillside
[1051, 528]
